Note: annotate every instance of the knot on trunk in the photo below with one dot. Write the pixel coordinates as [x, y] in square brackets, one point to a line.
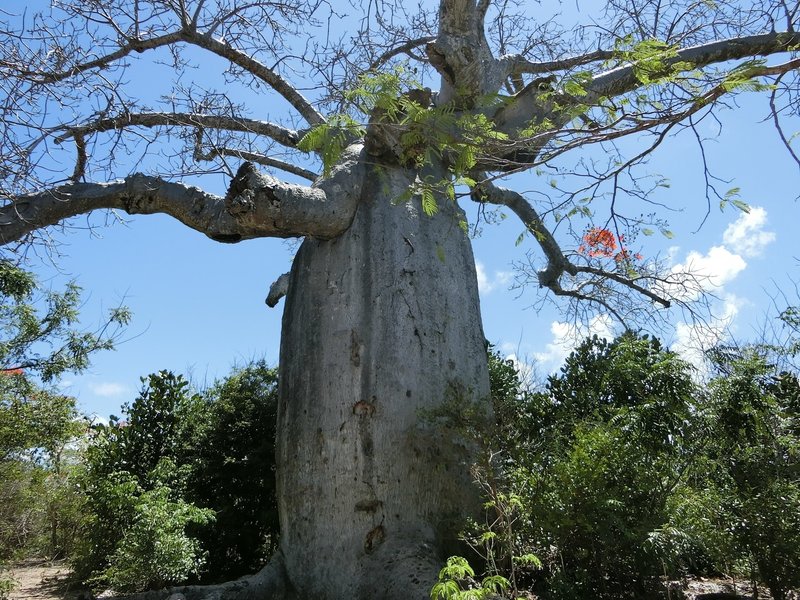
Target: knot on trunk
[240, 198]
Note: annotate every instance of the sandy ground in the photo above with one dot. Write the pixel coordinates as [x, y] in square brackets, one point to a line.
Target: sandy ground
[42, 580]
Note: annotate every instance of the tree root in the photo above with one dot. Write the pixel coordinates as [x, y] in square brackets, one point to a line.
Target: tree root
[270, 583]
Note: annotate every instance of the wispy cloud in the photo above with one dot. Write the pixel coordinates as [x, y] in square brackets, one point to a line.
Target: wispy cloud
[487, 283]
[568, 335]
[109, 389]
[747, 234]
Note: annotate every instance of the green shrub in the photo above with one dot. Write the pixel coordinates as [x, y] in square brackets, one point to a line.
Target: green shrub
[742, 504]
[155, 550]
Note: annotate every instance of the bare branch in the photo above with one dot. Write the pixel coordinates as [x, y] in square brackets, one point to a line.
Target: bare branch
[286, 137]
[626, 281]
[262, 72]
[517, 64]
[777, 123]
[557, 263]
[260, 159]
[102, 62]
[397, 50]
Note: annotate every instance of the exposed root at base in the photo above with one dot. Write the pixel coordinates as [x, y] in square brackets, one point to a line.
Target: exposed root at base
[270, 583]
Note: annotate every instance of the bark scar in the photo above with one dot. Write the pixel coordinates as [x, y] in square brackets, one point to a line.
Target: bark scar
[355, 348]
[375, 538]
[368, 506]
[362, 408]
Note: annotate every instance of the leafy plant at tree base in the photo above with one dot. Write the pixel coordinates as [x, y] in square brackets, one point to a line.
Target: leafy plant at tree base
[155, 550]
[232, 471]
[125, 461]
[457, 582]
[219, 447]
[585, 468]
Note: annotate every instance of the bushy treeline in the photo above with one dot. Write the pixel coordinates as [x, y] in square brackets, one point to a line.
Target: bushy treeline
[182, 487]
[623, 472]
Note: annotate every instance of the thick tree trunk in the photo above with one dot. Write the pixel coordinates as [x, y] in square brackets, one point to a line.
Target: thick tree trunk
[380, 325]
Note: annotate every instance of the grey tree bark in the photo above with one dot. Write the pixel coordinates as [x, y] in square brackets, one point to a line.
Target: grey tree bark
[380, 325]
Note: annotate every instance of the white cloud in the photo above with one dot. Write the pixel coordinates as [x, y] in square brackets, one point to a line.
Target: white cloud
[718, 267]
[485, 283]
[710, 272]
[747, 235]
[568, 335]
[109, 389]
[692, 340]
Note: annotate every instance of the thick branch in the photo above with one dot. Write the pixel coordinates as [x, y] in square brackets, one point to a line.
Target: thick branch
[286, 137]
[623, 79]
[262, 72]
[257, 205]
[278, 290]
[557, 263]
[462, 55]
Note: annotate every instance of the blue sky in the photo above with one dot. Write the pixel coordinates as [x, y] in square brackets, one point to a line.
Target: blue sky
[199, 306]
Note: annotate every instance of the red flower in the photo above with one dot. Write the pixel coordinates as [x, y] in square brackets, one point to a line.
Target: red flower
[601, 242]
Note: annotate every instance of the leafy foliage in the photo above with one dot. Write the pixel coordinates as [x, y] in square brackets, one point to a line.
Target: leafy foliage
[157, 478]
[232, 471]
[743, 502]
[40, 429]
[129, 466]
[155, 550]
[38, 328]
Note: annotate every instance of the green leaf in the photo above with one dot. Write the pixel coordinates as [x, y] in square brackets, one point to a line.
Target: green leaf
[741, 205]
[429, 206]
[440, 252]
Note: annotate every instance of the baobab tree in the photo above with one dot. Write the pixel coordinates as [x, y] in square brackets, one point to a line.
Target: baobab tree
[391, 117]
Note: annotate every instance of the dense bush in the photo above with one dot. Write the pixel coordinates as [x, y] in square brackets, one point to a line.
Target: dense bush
[622, 470]
[184, 486]
[232, 460]
[133, 473]
[742, 504]
[606, 444]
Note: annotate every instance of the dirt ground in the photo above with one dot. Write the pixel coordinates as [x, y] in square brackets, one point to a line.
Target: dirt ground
[50, 580]
[43, 580]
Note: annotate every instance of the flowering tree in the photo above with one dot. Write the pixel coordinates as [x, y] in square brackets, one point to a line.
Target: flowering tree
[381, 321]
